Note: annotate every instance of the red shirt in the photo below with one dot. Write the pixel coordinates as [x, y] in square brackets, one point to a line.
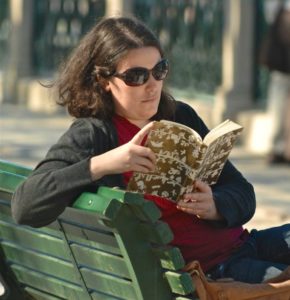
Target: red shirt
[197, 239]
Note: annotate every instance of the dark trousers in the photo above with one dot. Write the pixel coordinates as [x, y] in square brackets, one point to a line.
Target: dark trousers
[264, 255]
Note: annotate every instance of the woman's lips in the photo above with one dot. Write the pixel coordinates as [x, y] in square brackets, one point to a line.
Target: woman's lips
[151, 99]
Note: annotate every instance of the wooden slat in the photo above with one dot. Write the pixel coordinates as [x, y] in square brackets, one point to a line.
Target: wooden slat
[82, 236]
[39, 262]
[32, 239]
[5, 215]
[40, 295]
[72, 231]
[180, 283]
[109, 284]
[14, 168]
[85, 219]
[5, 196]
[48, 284]
[10, 181]
[102, 296]
[5, 209]
[170, 257]
[100, 260]
[95, 245]
[47, 288]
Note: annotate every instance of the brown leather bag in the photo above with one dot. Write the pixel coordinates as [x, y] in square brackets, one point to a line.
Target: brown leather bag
[277, 288]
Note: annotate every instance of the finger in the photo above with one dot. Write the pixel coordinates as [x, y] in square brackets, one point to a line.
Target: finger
[141, 169]
[187, 204]
[189, 197]
[197, 212]
[145, 164]
[186, 209]
[195, 197]
[138, 138]
[196, 207]
[202, 186]
[144, 152]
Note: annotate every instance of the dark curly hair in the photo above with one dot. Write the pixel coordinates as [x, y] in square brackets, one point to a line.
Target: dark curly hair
[79, 83]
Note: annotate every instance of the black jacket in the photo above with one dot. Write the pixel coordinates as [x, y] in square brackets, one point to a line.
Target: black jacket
[64, 174]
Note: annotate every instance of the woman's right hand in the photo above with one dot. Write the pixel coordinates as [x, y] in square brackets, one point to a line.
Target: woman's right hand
[128, 157]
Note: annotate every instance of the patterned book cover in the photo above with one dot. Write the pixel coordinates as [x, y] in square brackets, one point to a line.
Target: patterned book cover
[181, 157]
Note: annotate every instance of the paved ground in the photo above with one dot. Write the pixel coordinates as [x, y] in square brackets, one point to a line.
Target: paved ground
[25, 137]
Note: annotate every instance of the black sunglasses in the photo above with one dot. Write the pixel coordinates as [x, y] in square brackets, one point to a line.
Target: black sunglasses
[138, 76]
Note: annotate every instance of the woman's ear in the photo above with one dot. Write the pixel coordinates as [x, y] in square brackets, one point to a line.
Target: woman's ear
[107, 85]
[104, 83]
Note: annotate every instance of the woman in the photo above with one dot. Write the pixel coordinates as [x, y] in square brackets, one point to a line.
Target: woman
[113, 85]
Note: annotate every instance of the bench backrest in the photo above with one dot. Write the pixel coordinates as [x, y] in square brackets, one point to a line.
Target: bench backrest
[109, 245]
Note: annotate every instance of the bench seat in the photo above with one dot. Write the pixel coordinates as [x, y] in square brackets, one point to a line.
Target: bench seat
[110, 245]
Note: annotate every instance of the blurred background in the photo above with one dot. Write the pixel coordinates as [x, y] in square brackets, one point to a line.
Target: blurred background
[213, 47]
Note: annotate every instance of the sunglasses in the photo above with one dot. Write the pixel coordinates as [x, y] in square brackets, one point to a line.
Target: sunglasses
[138, 76]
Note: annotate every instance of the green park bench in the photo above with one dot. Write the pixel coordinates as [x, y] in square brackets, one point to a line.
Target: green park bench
[109, 245]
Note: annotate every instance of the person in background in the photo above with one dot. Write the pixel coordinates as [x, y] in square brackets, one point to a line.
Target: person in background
[275, 56]
[113, 84]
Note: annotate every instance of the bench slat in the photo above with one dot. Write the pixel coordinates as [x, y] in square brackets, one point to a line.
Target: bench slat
[39, 262]
[6, 196]
[54, 247]
[14, 168]
[10, 181]
[102, 296]
[40, 295]
[180, 283]
[106, 238]
[106, 283]
[44, 283]
[61, 270]
[104, 261]
[5, 210]
[33, 239]
[170, 257]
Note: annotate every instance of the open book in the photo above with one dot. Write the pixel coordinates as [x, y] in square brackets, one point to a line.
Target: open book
[182, 156]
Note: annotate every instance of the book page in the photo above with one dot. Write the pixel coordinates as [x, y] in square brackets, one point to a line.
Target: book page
[215, 157]
[178, 157]
[223, 128]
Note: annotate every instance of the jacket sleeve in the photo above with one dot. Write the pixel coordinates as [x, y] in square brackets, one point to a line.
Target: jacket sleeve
[57, 180]
[234, 196]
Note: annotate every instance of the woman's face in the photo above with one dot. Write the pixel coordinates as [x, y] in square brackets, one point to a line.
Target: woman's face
[136, 103]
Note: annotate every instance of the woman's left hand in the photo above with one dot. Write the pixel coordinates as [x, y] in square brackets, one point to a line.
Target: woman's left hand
[200, 202]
